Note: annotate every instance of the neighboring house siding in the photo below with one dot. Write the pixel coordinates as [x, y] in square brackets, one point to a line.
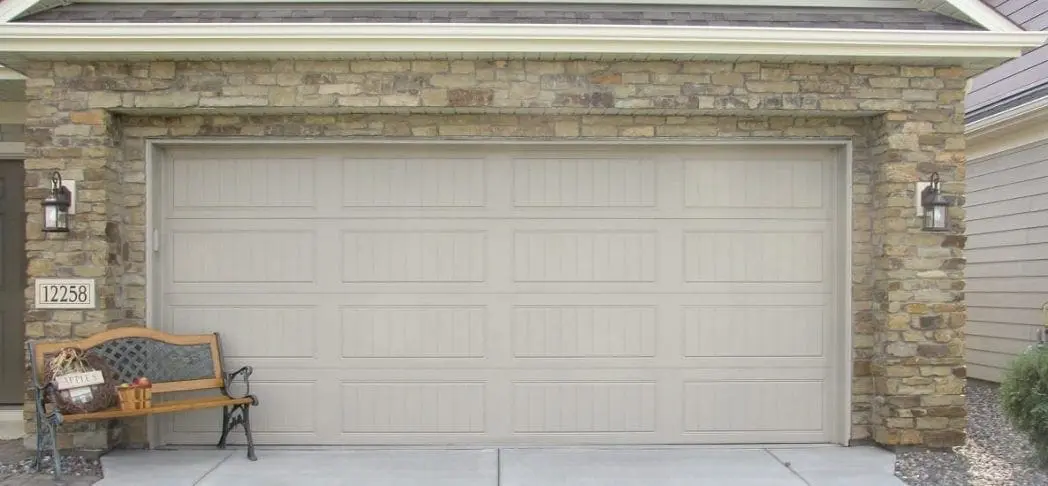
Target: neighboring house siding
[1021, 74]
[1007, 273]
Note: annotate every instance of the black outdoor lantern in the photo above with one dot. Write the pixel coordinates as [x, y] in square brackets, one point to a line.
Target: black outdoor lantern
[56, 206]
[934, 204]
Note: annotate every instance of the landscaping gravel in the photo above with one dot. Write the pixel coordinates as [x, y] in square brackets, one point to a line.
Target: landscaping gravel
[16, 468]
[994, 455]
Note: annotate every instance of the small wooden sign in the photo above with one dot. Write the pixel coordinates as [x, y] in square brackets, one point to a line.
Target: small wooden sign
[77, 380]
[65, 293]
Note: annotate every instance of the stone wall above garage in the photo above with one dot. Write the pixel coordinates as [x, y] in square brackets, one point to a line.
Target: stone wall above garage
[90, 120]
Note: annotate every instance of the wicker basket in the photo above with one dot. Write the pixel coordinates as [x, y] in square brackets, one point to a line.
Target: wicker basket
[102, 395]
[135, 397]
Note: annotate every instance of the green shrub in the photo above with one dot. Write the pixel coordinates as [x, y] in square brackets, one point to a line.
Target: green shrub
[1024, 397]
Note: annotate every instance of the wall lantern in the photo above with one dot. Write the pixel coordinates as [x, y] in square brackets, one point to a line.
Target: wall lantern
[56, 206]
[934, 205]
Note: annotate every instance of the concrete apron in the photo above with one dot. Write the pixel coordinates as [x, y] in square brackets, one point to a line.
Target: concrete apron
[670, 466]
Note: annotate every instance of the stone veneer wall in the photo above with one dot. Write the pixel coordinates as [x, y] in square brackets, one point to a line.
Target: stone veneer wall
[89, 120]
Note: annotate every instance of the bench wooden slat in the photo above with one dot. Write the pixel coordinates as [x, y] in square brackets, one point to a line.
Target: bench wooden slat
[165, 407]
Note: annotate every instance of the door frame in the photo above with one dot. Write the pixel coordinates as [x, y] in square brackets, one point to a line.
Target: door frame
[841, 192]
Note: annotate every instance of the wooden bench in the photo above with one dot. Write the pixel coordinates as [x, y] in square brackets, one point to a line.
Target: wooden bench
[173, 363]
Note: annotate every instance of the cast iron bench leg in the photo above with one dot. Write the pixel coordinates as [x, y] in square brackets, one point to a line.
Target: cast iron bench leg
[247, 432]
[225, 428]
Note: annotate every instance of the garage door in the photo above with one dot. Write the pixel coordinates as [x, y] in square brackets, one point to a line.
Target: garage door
[530, 294]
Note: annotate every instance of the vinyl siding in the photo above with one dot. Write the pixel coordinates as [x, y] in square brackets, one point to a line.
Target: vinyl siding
[1007, 251]
[1020, 74]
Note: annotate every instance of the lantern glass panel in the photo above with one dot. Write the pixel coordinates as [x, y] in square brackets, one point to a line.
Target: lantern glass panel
[50, 216]
[935, 217]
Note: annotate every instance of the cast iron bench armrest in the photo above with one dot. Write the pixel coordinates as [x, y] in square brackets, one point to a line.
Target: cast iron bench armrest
[246, 372]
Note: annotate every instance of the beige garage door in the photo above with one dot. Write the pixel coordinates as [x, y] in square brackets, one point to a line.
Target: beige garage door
[528, 294]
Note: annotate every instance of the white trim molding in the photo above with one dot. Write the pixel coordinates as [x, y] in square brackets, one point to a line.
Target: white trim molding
[1033, 110]
[1016, 127]
[8, 74]
[11, 9]
[985, 15]
[12, 150]
[19, 41]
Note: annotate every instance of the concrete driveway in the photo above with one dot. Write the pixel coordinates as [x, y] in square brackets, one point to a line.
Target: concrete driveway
[676, 466]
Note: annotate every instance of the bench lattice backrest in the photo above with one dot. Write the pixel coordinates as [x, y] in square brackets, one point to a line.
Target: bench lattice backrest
[171, 362]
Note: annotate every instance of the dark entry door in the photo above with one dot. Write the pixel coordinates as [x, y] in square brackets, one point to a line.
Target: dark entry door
[12, 281]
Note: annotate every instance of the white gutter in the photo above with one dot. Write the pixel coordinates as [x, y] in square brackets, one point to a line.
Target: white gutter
[1035, 109]
[24, 40]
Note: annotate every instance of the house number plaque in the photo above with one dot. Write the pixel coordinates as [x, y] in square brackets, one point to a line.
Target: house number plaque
[65, 293]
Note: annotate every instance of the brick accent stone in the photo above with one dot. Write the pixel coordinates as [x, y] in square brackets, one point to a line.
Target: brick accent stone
[90, 120]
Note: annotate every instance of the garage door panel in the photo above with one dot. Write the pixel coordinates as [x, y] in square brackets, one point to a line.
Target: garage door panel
[583, 182]
[414, 256]
[413, 407]
[590, 256]
[584, 331]
[253, 184]
[740, 406]
[757, 184]
[242, 256]
[769, 331]
[584, 407]
[252, 331]
[750, 256]
[414, 331]
[412, 182]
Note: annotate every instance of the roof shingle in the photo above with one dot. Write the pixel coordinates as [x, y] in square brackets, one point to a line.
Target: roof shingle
[510, 13]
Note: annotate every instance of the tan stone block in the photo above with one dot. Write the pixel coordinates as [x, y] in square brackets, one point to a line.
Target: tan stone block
[885, 105]
[378, 67]
[343, 89]
[100, 99]
[899, 423]
[429, 66]
[234, 101]
[773, 86]
[462, 67]
[830, 104]
[162, 70]
[748, 67]
[171, 100]
[358, 101]
[452, 81]
[889, 82]
[637, 132]
[728, 79]
[289, 79]
[566, 128]
[279, 96]
[876, 70]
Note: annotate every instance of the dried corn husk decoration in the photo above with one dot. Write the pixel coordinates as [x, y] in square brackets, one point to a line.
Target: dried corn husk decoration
[86, 399]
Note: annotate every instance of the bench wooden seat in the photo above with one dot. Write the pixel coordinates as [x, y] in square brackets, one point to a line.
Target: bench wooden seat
[173, 363]
[165, 407]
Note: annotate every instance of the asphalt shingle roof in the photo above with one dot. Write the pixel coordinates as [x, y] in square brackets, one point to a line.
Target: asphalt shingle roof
[512, 13]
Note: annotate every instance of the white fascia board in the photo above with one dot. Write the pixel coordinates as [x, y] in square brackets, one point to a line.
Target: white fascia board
[11, 9]
[76, 40]
[985, 15]
[1008, 119]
